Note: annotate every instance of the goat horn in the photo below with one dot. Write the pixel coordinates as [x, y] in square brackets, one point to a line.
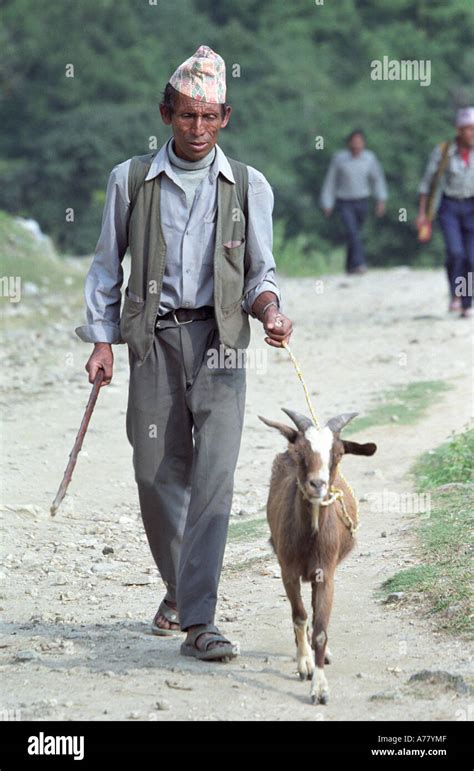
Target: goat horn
[301, 421]
[337, 424]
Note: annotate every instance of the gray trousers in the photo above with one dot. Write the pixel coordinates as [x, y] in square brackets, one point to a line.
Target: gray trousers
[184, 422]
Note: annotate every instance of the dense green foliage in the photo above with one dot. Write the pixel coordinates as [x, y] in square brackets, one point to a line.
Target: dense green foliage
[304, 72]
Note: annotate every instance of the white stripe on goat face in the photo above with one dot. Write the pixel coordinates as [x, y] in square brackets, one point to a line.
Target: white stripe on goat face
[321, 442]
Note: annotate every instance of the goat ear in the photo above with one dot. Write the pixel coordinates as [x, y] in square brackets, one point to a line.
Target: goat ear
[354, 448]
[287, 431]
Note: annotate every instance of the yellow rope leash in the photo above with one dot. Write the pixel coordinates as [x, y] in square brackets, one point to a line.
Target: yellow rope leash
[336, 493]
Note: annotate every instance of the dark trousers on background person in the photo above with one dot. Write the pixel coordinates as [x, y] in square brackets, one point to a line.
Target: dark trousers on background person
[184, 422]
[353, 213]
[456, 218]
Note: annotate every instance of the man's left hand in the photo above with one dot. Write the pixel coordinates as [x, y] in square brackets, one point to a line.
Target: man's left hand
[277, 326]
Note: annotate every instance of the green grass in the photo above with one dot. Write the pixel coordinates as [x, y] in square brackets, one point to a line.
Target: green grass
[59, 280]
[407, 403]
[252, 563]
[248, 530]
[298, 258]
[21, 254]
[445, 577]
[452, 462]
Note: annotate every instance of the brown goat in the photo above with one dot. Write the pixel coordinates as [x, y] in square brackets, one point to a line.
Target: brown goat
[310, 538]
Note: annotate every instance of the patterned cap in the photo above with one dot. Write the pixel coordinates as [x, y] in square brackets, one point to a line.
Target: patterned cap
[202, 76]
[465, 117]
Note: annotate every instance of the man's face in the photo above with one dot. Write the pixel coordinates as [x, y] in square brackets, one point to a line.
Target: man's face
[356, 144]
[196, 126]
[466, 136]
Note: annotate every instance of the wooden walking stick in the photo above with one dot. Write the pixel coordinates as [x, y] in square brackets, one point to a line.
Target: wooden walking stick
[78, 443]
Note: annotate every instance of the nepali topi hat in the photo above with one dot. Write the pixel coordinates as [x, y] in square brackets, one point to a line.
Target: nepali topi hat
[465, 117]
[202, 76]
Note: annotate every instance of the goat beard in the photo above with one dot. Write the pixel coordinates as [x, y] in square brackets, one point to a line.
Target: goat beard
[315, 509]
[303, 506]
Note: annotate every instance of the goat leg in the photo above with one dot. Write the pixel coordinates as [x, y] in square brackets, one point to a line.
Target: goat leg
[328, 654]
[304, 654]
[322, 596]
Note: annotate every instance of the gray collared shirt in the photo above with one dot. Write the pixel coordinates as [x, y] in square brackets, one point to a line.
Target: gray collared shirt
[188, 280]
[353, 176]
[458, 179]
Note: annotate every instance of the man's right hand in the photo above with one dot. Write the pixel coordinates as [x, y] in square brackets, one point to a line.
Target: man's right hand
[327, 212]
[101, 358]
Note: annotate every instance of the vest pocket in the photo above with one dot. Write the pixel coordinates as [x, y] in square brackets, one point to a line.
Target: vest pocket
[132, 320]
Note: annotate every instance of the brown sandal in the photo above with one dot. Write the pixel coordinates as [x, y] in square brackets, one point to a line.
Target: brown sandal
[171, 615]
[227, 651]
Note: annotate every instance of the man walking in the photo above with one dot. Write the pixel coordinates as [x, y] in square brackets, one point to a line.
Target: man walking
[447, 189]
[199, 228]
[352, 175]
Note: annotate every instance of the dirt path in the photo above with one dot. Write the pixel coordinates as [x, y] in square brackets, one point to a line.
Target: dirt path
[76, 641]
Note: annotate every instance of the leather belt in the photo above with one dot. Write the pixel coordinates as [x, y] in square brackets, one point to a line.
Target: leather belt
[185, 315]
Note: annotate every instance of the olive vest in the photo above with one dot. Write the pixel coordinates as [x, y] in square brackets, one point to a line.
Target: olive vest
[148, 258]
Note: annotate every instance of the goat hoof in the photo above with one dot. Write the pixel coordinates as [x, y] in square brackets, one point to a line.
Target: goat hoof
[305, 665]
[323, 698]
